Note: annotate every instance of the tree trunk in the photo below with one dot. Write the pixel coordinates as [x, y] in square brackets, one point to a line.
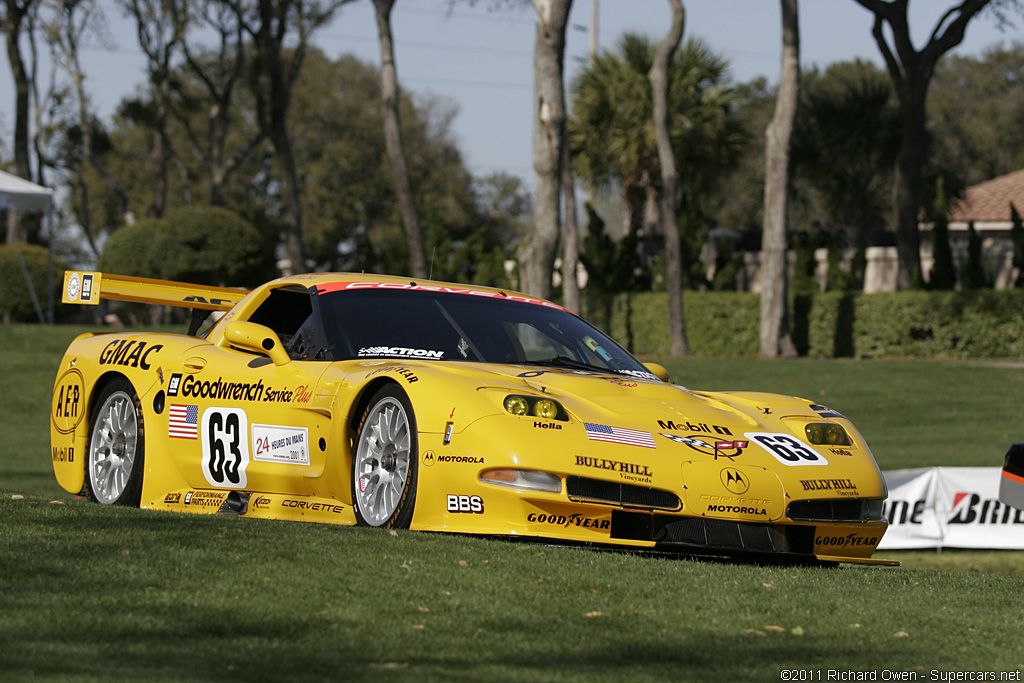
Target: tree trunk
[775, 334]
[907, 192]
[160, 152]
[22, 167]
[537, 253]
[911, 71]
[669, 198]
[393, 140]
[275, 93]
[570, 238]
[71, 33]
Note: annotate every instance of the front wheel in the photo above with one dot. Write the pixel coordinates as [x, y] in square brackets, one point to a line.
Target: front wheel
[114, 461]
[384, 464]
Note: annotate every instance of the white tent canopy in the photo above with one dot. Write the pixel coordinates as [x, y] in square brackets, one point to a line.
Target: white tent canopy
[18, 194]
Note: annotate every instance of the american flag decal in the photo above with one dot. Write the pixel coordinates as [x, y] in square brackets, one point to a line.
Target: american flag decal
[630, 437]
[183, 421]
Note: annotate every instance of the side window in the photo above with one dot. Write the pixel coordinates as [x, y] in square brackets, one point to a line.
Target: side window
[288, 311]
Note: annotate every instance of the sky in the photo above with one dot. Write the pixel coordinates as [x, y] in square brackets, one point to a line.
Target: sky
[481, 60]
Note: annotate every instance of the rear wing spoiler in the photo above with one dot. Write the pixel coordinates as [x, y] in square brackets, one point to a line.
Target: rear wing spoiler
[82, 287]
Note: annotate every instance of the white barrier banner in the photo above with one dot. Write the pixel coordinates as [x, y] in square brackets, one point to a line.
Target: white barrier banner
[949, 507]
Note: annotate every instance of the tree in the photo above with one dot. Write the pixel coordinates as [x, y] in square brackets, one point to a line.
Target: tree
[943, 274]
[847, 112]
[15, 17]
[613, 141]
[972, 275]
[669, 198]
[160, 27]
[204, 244]
[84, 139]
[280, 31]
[393, 139]
[217, 73]
[537, 253]
[1017, 237]
[570, 235]
[911, 71]
[775, 334]
[974, 106]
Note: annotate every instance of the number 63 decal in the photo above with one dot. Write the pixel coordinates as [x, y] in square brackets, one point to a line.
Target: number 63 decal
[225, 436]
[787, 449]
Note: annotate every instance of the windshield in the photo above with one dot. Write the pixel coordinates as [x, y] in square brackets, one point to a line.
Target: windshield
[429, 325]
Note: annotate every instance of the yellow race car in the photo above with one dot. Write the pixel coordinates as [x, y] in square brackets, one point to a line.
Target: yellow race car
[382, 401]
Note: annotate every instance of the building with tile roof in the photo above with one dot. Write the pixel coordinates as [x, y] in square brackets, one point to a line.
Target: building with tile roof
[988, 204]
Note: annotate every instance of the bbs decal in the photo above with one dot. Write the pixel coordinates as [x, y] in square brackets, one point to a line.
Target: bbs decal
[225, 437]
[787, 449]
[472, 504]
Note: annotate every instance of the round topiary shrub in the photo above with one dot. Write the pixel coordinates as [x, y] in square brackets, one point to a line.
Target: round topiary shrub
[204, 245]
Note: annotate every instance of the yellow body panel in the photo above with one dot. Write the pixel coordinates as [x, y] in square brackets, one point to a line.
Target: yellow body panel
[714, 462]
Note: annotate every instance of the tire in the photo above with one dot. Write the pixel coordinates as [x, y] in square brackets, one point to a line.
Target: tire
[385, 461]
[116, 454]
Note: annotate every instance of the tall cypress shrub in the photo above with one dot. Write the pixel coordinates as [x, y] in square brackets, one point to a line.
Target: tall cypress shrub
[943, 273]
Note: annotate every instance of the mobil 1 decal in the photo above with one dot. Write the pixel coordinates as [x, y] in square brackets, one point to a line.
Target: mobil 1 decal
[225, 437]
[787, 449]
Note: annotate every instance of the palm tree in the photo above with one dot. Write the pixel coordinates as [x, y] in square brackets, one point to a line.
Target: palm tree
[849, 113]
[611, 131]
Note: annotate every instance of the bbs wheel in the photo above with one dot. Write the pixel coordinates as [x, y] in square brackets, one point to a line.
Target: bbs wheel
[114, 460]
[384, 464]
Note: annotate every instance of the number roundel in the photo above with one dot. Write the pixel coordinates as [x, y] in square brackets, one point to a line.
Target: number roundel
[225, 437]
[787, 449]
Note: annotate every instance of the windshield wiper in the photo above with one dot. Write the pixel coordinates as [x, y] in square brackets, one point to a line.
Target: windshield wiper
[567, 362]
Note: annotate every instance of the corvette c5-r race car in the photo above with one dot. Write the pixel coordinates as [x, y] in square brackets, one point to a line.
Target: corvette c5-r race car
[376, 400]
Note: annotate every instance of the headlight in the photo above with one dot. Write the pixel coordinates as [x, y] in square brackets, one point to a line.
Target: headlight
[535, 406]
[517, 405]
[524, 480]
[827, 434]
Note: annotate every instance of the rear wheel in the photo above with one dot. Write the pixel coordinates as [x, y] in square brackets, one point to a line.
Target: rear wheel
[114, 461]
[384, 464]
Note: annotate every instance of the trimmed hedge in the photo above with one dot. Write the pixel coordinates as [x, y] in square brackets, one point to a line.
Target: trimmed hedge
[15, 299]
[918, 324]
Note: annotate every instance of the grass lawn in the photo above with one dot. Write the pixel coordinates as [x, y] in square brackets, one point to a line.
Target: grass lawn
[92, 593]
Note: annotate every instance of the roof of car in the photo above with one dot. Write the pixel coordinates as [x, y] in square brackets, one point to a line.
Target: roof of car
[335, 282]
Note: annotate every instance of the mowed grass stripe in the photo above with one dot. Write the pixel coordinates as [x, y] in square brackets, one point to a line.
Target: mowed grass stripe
[94, 593]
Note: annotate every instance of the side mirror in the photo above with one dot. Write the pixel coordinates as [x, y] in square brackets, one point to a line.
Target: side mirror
[658, 370]
[256, 338]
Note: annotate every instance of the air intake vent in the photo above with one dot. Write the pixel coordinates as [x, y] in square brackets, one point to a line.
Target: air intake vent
[627, 495]
[847, 510]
